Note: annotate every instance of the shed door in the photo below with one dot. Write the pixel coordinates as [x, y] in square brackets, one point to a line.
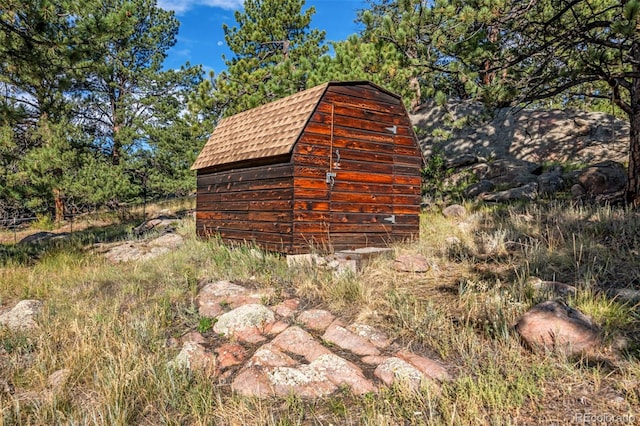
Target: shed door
[360, 178]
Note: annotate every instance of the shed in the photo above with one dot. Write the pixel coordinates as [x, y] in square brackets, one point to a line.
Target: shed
[333, 167]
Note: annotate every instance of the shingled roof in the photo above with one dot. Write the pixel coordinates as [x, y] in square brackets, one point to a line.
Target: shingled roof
[265, 131]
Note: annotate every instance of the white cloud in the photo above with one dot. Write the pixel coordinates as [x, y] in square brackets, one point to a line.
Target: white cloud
[181, 6]
[220, 43]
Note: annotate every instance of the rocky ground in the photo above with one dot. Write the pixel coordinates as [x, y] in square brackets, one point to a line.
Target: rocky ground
[523, 155]
[266, 349]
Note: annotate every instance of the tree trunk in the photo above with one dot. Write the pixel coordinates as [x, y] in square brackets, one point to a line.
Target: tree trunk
[59, 203]
[633, 171]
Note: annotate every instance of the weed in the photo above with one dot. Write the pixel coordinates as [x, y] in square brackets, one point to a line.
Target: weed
[205, 324]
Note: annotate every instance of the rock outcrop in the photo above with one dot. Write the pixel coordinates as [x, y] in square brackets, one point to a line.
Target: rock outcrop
[506, 152]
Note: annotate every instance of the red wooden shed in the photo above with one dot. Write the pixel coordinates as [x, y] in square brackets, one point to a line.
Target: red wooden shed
[333, 167]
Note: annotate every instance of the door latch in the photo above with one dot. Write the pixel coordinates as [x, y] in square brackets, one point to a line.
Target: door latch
[330, 178]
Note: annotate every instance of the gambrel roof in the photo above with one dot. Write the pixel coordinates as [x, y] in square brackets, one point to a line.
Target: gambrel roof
[265, 131]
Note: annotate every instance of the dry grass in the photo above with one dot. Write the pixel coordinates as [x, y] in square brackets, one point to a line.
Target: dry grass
[108, 325]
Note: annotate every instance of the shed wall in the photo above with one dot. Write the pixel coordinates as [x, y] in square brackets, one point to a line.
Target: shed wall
[377, 172]
[248, 204]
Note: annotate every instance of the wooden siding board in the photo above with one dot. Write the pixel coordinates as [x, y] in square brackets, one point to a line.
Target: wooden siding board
[356, 124]
[260, 195]
[255, 174]
[241, 186]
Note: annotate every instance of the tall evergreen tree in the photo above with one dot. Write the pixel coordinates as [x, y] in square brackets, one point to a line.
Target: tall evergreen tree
[274, 49]
[450, 45]
[84, 97]
[126, 79]
[355, 59]
[41, 55]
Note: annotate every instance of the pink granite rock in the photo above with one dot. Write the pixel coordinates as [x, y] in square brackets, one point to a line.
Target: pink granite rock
[215, 298]
[555, 326]
[287, 308]
[297, 341]
[374, 359]
[270, 355]
[194, 356]
[338, 335]
[229, 355]
[411, 263]
[397, 371]
[430, 368]
[375, 336]
[343, 373]
[193, 336]
[244, 318]
[275, 328]
[251, 335]
[316, 319]
[304, 381]
[254, 382]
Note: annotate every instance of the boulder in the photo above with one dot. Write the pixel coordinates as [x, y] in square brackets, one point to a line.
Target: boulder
[316, 319]
[603, 178]
[43, 236]
[244, 318]
[22, 316]
[411, 263]
[214, 297]
[454, 210]
[479, 188]
[527, 193]
[550, 182]
[462, 161]
[509, 169]
[625, 295]
[195, 357]
[555, 326]
[343, 338]
[161, 224]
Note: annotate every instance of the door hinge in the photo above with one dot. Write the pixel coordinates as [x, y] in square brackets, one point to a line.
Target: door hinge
[391, 218]
[393, 129]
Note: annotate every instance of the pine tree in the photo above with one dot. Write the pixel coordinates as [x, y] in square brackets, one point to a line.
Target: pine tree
[449, 45]
[41, 58]
[274, 49]
[84, 98]
[131, 40]
[355, 59]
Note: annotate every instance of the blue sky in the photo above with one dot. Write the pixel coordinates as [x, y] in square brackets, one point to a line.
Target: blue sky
[201, 40]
